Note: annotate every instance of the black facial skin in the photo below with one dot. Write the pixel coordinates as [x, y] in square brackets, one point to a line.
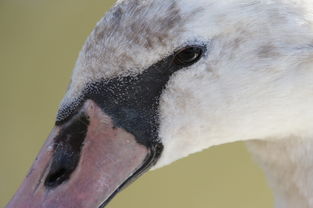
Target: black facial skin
[133, 102]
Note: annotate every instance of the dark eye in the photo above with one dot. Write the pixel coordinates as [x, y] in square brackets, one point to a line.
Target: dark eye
[188, 56]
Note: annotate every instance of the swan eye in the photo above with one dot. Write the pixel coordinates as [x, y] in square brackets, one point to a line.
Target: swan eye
[188, 56]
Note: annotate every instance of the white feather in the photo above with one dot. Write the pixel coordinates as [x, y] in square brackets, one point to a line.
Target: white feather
[254, 83]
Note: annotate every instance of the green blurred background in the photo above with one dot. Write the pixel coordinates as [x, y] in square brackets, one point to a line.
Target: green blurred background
[39, 42]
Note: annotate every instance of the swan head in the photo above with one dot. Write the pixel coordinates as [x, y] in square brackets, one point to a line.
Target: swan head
[159, 80]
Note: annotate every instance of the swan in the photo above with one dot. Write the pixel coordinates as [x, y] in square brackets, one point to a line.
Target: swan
[159, 80]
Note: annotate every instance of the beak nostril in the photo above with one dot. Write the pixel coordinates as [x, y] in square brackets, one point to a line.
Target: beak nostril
[56, 178]
[67, 150]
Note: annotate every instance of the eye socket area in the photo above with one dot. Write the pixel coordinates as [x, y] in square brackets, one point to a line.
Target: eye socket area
[188, 55]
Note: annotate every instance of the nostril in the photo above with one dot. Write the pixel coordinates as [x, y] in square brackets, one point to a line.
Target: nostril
[56, 178]
[67, 150]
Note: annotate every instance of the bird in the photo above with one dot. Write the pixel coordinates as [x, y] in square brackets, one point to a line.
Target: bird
[159, 80]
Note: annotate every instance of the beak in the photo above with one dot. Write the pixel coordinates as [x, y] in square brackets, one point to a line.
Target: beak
[84, 163]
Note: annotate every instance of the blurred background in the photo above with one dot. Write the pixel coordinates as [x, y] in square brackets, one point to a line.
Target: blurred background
[39, 43]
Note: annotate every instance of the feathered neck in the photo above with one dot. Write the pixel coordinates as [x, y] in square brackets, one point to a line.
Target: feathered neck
[288, 164]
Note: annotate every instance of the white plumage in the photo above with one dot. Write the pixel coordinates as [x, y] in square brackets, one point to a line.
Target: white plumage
[254, 84]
